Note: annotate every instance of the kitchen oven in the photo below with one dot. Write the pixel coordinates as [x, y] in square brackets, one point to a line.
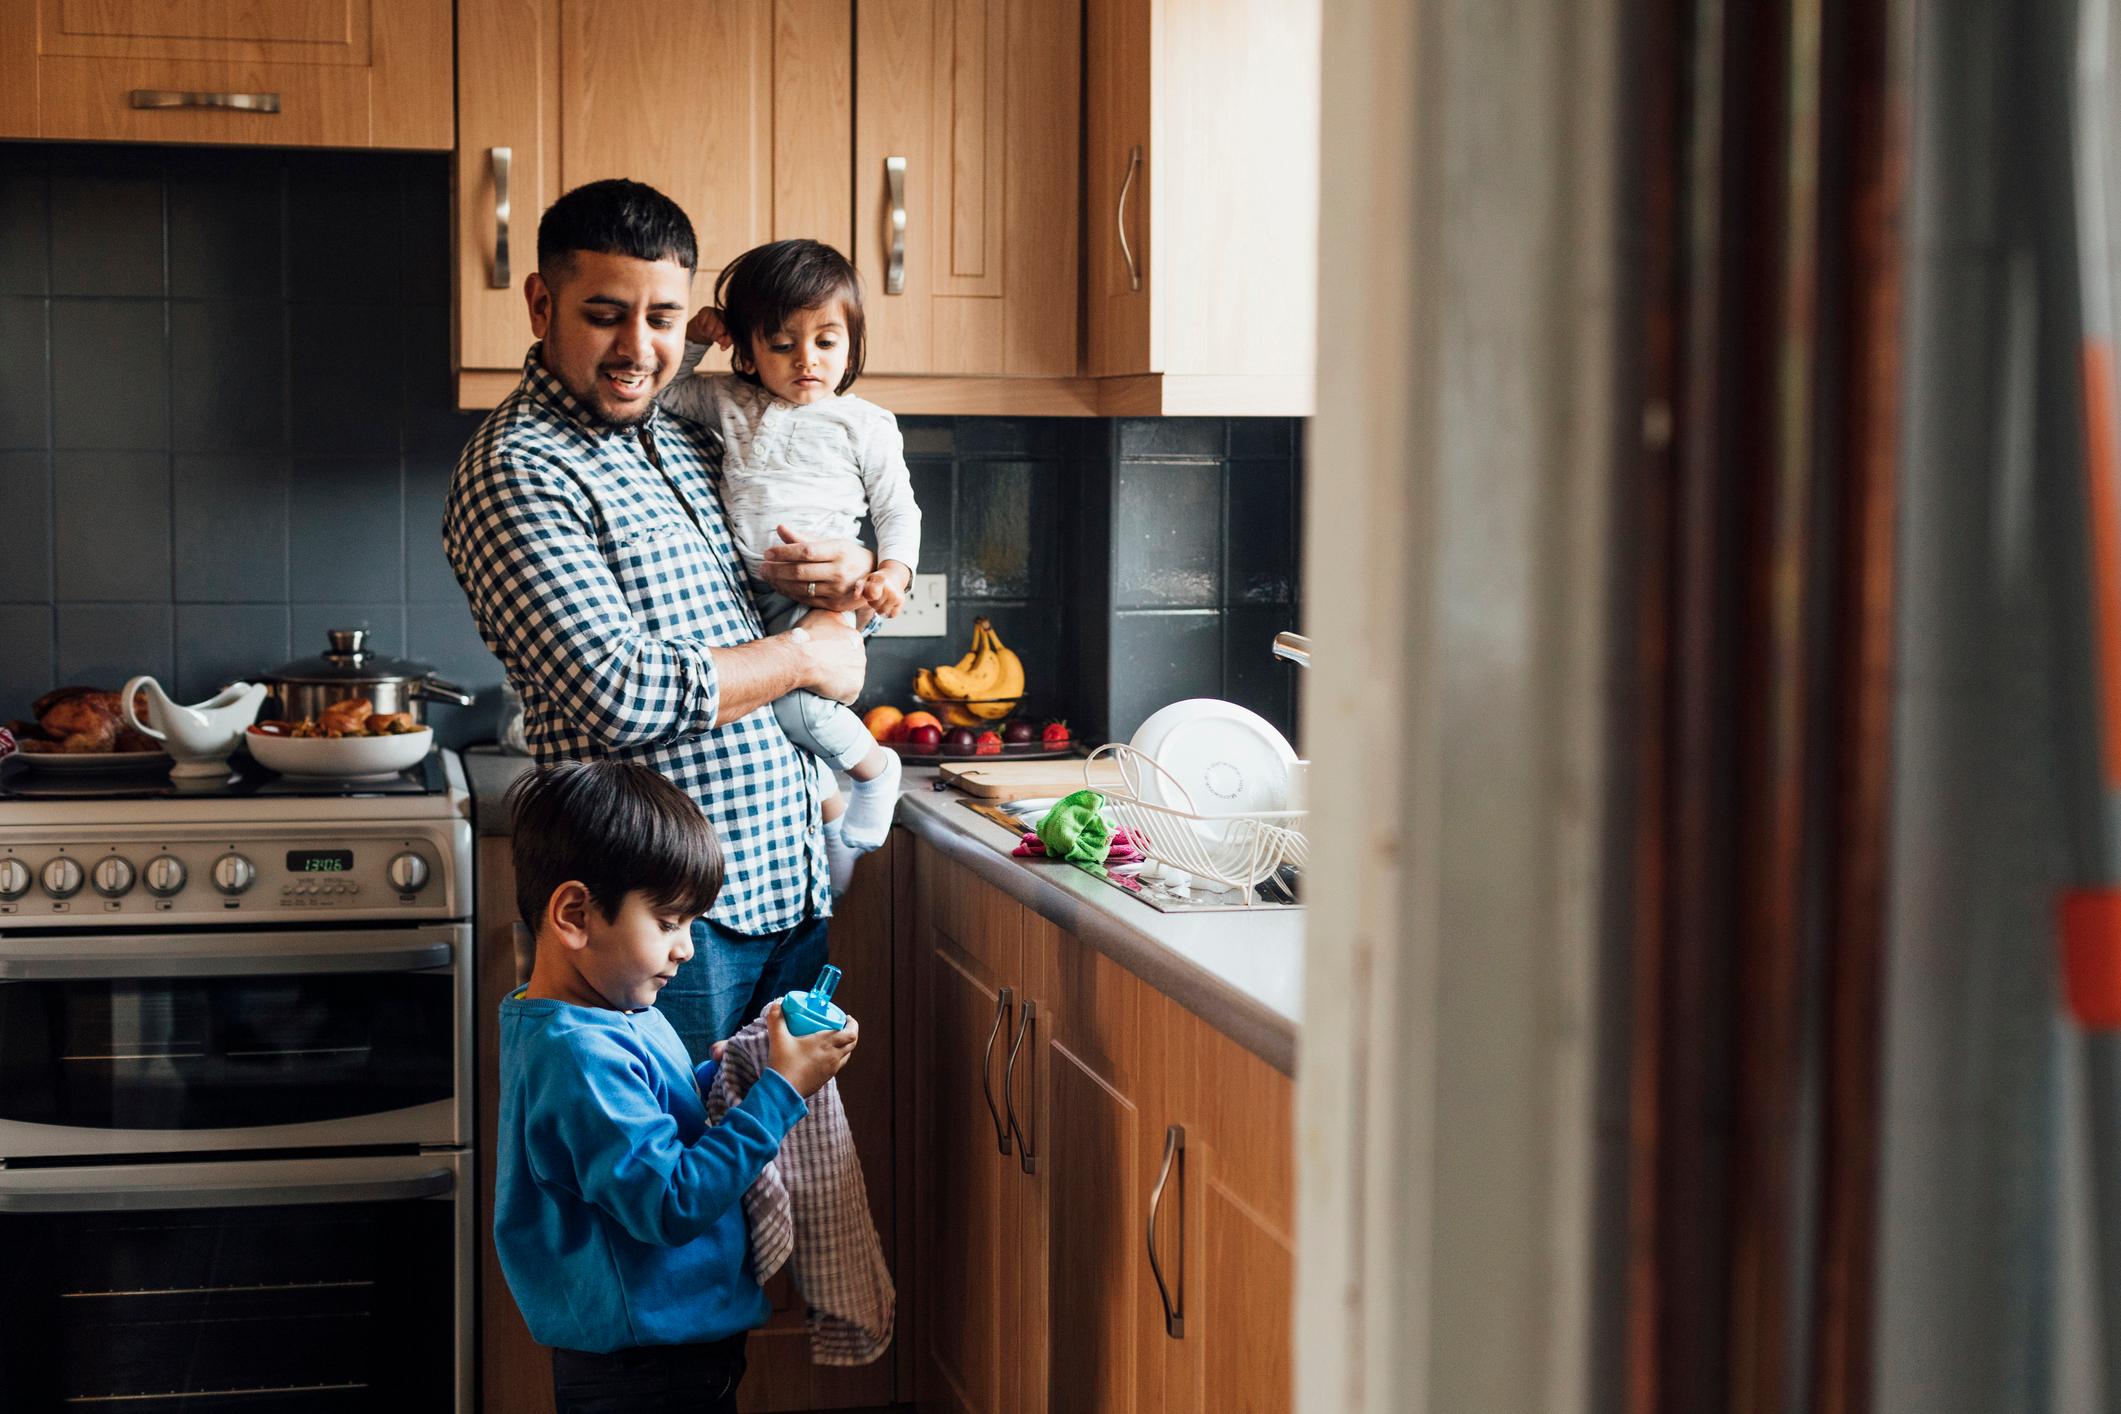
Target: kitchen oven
[235, 1092]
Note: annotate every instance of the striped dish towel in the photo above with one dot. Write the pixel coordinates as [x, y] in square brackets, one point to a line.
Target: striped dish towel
[811, 1206]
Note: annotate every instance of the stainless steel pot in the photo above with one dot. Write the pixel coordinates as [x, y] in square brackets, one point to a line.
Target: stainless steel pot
[305, 687]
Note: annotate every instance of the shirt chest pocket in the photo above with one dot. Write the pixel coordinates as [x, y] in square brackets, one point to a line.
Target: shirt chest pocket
[663, 566]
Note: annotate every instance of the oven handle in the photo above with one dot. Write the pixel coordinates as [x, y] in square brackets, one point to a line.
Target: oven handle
[217, 955]
[249, 1184]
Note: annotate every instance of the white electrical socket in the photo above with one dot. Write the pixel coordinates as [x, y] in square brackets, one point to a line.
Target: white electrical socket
[927, 611]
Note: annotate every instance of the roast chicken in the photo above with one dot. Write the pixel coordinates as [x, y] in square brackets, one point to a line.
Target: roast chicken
[81, 719]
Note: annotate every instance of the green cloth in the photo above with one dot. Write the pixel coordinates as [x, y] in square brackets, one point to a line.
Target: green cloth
[1076, 830]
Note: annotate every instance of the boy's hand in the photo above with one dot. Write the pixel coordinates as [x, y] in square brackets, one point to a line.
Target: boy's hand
[807, 1062]
[707, 328]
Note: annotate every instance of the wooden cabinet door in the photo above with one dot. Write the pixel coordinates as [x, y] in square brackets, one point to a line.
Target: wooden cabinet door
[978, 102]
[1118, 170]
[1092, 1097]
[967, 1190]
[1236, 1189]
[1220, 100]
[294, 73]
[738, 110]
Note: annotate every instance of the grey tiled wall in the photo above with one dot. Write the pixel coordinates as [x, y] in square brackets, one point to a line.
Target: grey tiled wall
[1203, 519]
[226, 416]
[994, 494]
[226, 424]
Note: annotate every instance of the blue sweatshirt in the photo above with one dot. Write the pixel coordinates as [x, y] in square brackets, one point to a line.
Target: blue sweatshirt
[616, 1206]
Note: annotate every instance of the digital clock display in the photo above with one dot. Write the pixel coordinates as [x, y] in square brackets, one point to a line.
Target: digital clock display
[319, 861]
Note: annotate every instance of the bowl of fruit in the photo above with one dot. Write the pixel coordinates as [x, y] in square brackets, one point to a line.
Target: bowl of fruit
[986, 685]
[973, 707]
[921, 737]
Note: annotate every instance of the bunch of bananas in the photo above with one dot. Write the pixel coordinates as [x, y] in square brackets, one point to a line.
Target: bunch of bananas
[983, 686]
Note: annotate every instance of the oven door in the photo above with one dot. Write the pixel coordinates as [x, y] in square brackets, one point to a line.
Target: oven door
[316, 1285]
[114, 1044]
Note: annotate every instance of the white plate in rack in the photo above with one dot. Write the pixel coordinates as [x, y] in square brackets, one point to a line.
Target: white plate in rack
[1227, 759]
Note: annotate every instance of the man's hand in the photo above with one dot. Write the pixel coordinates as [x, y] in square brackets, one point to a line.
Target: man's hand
[834, 662]
[819, 574]
[807, 1062]
[707, 328]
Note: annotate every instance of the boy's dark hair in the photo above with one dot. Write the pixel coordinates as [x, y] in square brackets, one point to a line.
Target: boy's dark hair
[616, 217]
[766, 286]
[617, 826]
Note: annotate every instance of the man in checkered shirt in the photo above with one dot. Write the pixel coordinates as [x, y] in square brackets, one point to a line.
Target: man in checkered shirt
[585, 525]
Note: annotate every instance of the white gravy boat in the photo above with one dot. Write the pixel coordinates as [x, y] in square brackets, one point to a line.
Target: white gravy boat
[198, 738]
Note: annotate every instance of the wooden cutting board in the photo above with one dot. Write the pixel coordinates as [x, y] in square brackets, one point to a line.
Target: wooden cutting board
[1026, 780]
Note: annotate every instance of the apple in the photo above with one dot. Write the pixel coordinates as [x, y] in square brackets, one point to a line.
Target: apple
[925, 738]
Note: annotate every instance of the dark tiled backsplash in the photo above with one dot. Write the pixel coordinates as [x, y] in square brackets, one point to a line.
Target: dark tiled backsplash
[226, 425]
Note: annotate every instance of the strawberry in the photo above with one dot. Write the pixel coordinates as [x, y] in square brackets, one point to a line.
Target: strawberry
[988, 744]
[1055, 734]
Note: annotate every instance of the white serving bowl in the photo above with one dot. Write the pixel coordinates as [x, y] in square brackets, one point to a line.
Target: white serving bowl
[339, 756]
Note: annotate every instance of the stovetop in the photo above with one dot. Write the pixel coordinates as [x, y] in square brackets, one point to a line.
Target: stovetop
[44, 799]
[84, 852]
[20, 780]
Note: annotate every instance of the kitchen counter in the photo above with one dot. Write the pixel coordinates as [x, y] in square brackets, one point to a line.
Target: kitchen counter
[1242, 974]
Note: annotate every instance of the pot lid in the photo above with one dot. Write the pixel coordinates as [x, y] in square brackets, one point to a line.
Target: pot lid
[349, 660]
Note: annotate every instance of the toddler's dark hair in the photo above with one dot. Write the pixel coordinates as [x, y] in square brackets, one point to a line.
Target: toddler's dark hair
[766, 286]
[617, 826]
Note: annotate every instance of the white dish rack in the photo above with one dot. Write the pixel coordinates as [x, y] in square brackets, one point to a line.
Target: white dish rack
[1235, 851]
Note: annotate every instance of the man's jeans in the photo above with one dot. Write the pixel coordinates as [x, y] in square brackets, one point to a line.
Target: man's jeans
[733, 975]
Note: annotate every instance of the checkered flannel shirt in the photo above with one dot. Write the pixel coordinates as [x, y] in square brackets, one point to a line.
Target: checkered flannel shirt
[601, 580]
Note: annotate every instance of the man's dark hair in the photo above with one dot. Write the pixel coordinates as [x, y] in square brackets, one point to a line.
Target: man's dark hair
[616, 217]
[766, 286]
[617, 826]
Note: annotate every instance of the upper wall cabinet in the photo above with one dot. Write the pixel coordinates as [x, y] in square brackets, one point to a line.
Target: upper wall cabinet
[292, 73]
[1202, 209]
[739, 110]
[966, 200]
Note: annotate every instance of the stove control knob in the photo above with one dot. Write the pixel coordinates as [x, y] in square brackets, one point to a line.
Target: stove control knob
[165, 875]
[113, 877]
[233, 874]
[62, 878]
[14, 878]
[408, 873]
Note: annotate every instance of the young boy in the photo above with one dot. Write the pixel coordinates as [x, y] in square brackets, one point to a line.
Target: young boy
[616, 1207]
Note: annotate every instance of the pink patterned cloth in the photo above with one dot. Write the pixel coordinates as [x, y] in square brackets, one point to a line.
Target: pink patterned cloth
[1125, 848]
[7, 743]
[810, 1205]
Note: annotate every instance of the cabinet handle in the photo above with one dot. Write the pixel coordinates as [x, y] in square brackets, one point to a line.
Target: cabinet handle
[1023, 1140]
[177, 98]
[1134, 273]
[500, 280]
[1174, 1314]
[986, 1068]
[895, 268]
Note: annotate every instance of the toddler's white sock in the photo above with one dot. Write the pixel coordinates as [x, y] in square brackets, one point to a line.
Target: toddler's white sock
[840, 858]
[870, 806]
